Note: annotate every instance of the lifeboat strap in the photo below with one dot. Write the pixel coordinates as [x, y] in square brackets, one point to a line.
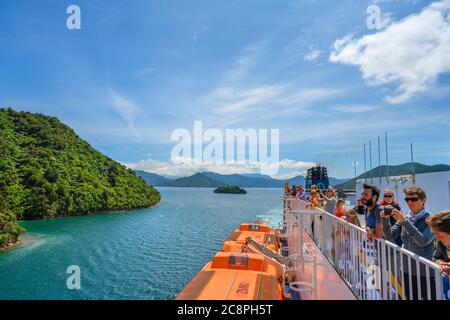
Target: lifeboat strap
[265, 251]
[231, 285]
[259, 281]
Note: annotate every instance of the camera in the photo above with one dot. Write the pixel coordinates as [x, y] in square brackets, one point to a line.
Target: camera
[388, 210]
[361, 209]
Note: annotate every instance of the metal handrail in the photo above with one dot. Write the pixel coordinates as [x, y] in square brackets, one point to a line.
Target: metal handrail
[356, 258]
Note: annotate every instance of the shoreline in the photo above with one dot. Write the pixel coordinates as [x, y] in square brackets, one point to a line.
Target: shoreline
[59, 216]
[16, 244]
[11, 245]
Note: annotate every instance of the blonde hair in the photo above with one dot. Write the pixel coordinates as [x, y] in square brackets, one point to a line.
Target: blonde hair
[332, 190]
[352, 217]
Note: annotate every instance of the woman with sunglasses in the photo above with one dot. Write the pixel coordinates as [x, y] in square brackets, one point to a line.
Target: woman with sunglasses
[415, 233]
[390, 200]
[440, 226]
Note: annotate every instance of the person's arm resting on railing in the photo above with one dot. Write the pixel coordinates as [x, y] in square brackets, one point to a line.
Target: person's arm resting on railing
[439, 254]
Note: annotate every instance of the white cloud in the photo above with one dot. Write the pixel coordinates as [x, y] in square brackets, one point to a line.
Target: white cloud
[411, 53]
[354, 108]
[312, 55]
[127, 110]
[290, 175]
[236, 99]
[247, 60]
[229, 100]
[190, 166]
[308, 95]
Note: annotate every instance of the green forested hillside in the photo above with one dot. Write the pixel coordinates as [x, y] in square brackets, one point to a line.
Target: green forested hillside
[198, 180]
[46, 170]
[9, 230]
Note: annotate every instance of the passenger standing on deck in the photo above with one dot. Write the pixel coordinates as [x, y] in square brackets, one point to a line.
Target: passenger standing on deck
[287, 190]
[301, 194]
[390, 200]
[369, 198]
[329, 200]
[314, 202]
[351, 216]
[415, 234]
[314, 199]
[340, 208]
[440, 226]
[294, 191]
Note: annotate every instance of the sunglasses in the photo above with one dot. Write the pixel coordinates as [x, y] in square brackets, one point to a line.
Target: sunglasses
[411, 199]
[388, 196]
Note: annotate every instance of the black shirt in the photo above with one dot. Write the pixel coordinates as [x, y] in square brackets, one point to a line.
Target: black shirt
[441, 252]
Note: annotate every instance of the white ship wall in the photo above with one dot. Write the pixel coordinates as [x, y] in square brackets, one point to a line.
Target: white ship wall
[435, 184]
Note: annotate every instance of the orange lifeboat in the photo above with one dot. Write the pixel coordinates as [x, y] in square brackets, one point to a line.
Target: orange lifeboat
[259, 232]
[232, 276]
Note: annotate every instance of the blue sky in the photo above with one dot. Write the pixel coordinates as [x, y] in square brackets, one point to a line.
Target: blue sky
[137, 70]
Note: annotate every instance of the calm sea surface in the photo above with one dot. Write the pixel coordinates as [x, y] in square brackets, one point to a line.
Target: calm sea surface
[144, 254]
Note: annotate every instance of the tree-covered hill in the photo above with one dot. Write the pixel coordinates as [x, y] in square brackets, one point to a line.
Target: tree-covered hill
[198, 180]
[46, 170]
[9, 230]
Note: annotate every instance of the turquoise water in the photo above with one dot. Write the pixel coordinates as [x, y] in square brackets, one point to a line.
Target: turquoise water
[144, 254]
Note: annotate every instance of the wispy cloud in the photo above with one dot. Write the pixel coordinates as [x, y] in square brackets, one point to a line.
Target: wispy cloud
[309, 95]
[127, 110]
[250, 57]
[354, 108]
[242, 99]
[312, 55]
[412, 53]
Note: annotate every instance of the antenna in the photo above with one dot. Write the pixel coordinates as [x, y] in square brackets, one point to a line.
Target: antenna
[387, 157]
[379, 159]
[370, 157]
[365, 164]
[355, 163]
[412, 165]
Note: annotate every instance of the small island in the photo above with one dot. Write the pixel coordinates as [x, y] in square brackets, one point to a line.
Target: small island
[230, 190]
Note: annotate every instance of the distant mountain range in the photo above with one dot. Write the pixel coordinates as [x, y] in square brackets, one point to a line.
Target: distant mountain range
[153, 178]
[214, 180]
[403, 169]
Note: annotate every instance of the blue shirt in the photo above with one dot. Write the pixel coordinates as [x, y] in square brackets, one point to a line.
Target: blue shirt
[301, 196]
[373, 216]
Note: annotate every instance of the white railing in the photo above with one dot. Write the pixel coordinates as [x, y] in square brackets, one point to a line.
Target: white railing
[373, 269]
[300, 254]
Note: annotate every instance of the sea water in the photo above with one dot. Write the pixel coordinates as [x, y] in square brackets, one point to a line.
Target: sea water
[142, 254]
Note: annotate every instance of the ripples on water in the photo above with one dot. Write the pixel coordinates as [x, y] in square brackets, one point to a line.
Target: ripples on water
[145, 254]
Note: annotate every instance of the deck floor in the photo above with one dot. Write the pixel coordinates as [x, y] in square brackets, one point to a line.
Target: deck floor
[330, 286]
